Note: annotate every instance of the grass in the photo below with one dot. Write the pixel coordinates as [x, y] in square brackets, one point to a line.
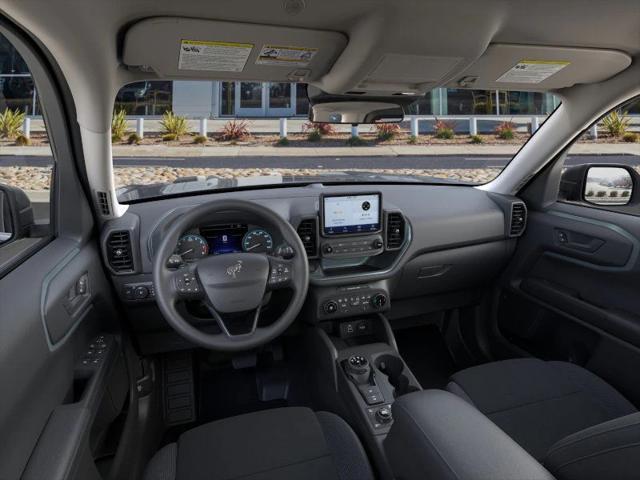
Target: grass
[386, 131]
[169, 137]
[22, 140]
[412, 140]
[476, 139]
[630, 137]
[118, 125]
[444, 130]
[506, 130]
[355, 141]
[234, 130]
[200, 139]
[11, 123]
[283, 142]
[616, 123]
[314, 136]
[175, 125]
[134, 139]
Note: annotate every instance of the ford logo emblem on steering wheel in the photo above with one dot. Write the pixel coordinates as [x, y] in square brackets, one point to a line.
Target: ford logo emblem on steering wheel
[234, 269]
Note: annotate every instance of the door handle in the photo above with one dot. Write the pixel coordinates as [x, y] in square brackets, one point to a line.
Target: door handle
[578, 241]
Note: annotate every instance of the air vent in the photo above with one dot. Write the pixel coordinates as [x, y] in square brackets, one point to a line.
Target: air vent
[103, 203]
[518, 219]
[119, 252]
[307, 231]
[395, 230]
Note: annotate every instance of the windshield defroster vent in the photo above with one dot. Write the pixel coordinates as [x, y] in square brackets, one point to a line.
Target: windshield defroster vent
[395, 230]
[518, 219]
[119, 252]
[308, 233]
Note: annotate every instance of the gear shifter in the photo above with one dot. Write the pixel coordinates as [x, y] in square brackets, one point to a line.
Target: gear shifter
[359, 371]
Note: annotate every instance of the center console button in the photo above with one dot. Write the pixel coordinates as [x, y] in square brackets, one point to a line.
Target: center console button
[383, 415]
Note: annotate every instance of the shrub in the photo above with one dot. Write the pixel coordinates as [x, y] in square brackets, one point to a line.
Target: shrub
[118, 125]
[169, 137]
[134, 139]
[613, 193]
[476, 139]
[625, 193]
[314, 136]
[11, 123]
[22, 140]
[506, 130]
[601, 193]
[174, 125]
[282, 142]
[200, 139]
[630, 137]
[234, 130]
[355, 141]
[616, 123]
[412, 139]
[387, 131]
[315, 131]
[444, 129]
[589, 193]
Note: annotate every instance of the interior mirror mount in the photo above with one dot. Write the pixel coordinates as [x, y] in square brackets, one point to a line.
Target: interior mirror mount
[355, 109]
[603, 185]
[16, 214]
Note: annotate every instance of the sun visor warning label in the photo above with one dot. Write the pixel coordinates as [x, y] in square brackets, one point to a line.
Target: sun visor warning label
[285, 55]
[532, 71]
[213, 56]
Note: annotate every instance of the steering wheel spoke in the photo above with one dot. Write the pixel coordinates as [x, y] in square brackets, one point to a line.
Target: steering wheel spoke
[224, 327]
[280, 274]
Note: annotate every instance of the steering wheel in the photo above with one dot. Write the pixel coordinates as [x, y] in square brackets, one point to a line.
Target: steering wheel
[231, 283]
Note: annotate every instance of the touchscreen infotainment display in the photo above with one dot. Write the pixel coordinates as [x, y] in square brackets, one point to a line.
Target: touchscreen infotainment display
[349, 214]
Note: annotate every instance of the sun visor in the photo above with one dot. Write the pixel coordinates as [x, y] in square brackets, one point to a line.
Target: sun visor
[536, 68]
[208, 49]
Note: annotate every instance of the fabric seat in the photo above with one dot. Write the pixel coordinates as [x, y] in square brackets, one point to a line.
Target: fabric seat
[284, 443]
[538, 403]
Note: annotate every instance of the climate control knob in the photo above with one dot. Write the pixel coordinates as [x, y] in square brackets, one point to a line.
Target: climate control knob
[330, 307]
[379, 300]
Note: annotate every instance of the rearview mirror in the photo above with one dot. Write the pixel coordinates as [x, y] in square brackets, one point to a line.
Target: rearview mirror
[608, 186]
[16, 214]
[356, 109]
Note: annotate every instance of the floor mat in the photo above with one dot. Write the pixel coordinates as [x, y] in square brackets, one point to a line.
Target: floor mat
[425, 351]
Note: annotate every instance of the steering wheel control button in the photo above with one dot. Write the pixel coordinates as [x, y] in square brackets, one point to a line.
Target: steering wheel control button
[280, 274]
[187, 284]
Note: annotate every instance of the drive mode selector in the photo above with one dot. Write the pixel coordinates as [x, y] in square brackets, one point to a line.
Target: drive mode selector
[358, 365]
[383, 415]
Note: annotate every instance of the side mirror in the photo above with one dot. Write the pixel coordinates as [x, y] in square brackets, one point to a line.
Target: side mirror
[16, 214]
[604, 185]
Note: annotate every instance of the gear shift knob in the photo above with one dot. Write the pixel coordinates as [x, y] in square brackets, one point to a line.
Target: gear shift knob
[358, 368]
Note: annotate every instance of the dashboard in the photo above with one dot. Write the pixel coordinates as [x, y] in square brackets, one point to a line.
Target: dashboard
[367, 248]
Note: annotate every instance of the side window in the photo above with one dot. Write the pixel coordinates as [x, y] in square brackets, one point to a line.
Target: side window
[602, 169]
[26, 160]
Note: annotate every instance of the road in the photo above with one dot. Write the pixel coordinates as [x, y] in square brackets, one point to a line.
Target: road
[331, 163]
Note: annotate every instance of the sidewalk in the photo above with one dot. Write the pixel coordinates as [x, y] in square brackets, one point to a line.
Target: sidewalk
[380, 150]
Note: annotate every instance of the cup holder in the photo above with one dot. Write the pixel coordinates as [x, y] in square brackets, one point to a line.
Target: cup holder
[393, 368]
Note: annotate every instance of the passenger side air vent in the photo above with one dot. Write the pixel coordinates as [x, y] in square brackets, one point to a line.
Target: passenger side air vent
[518, 219]
[308, 233]
[119, 252]
[103, 203]
[395, 230]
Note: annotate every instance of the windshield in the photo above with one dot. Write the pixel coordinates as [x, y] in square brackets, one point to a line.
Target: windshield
[188, 136]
